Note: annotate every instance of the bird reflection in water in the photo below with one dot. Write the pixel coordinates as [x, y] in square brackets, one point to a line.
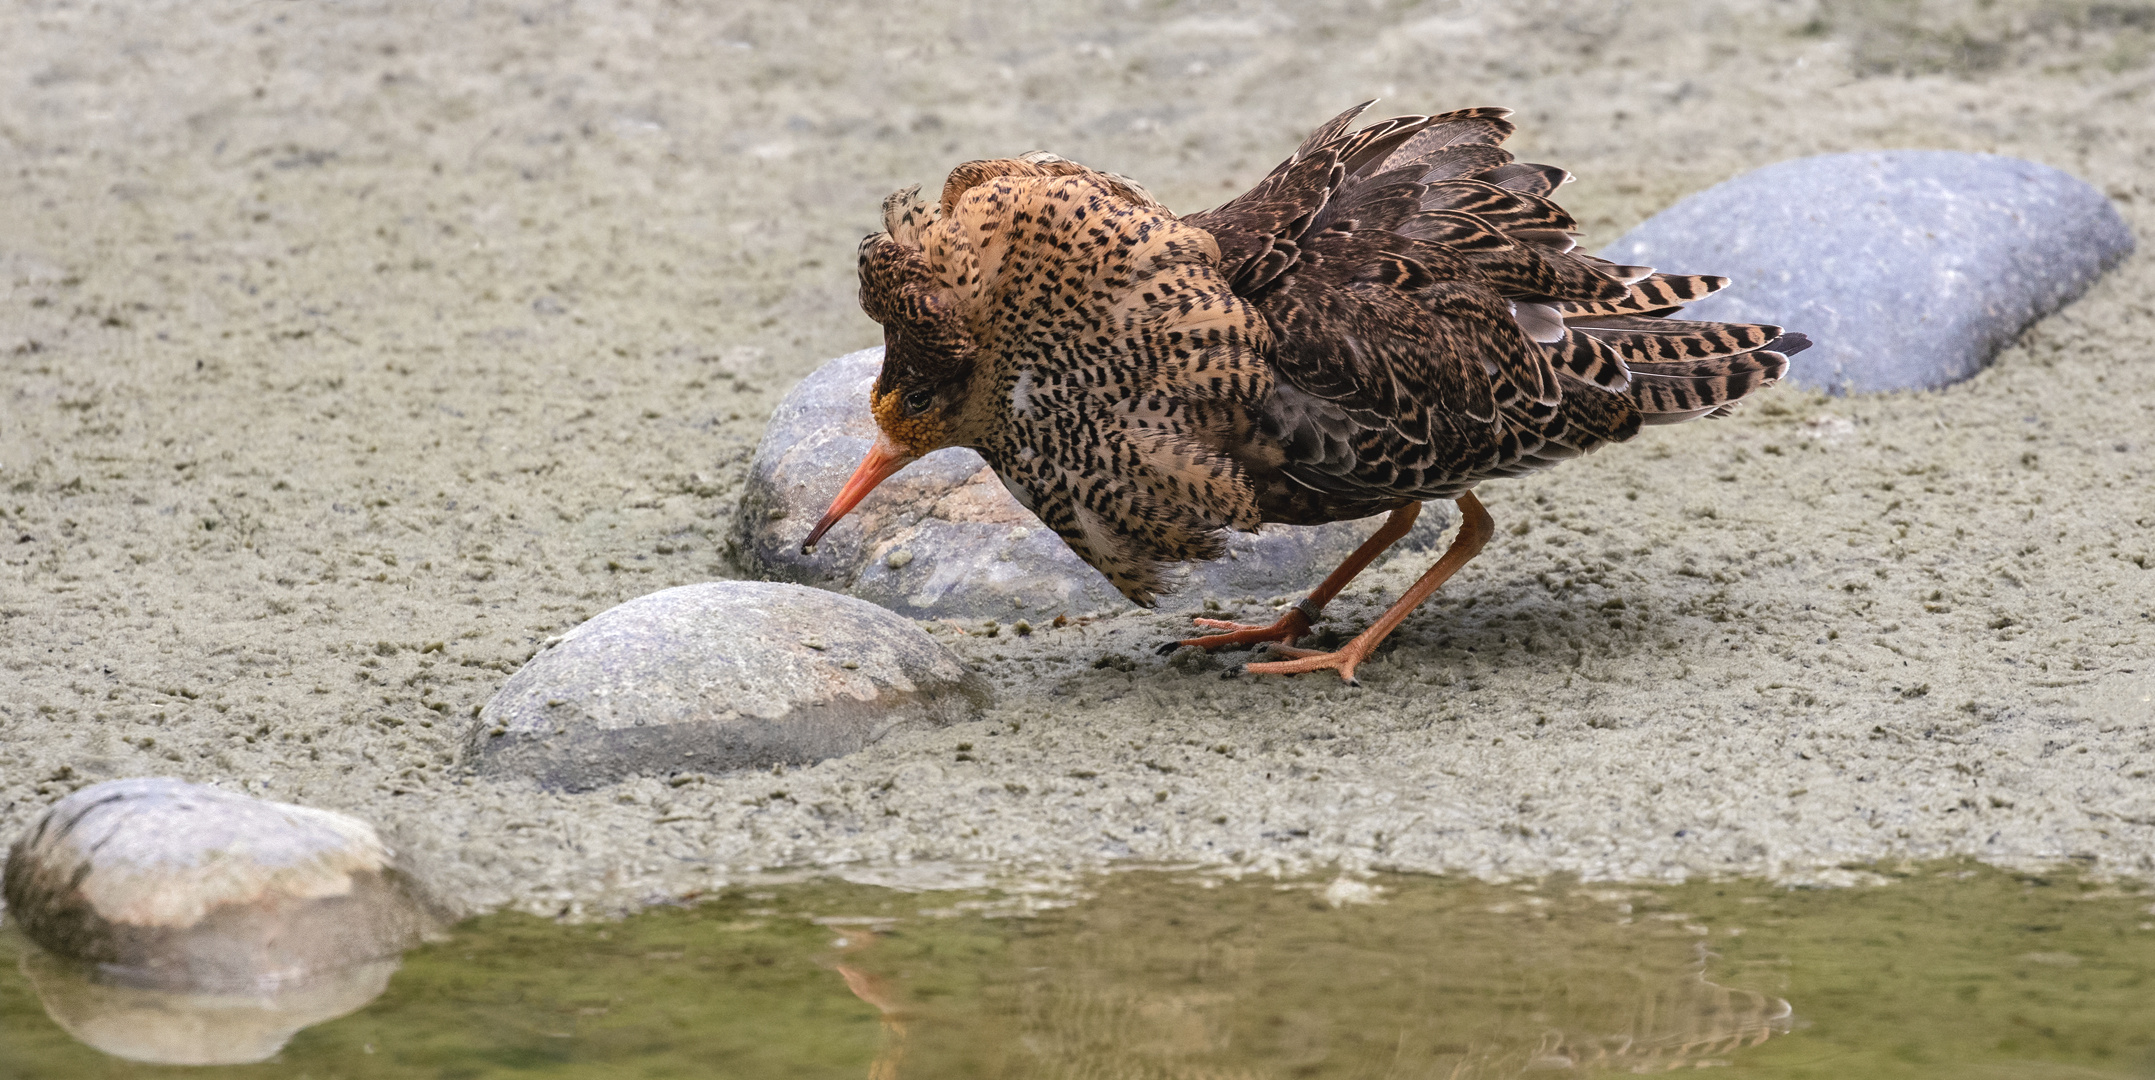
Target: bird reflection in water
[1113, 1004]
[1152, 975]
[1695, 1024]
[875, 990]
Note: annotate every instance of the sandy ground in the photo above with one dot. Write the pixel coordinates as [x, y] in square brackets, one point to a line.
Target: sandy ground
[349, 351]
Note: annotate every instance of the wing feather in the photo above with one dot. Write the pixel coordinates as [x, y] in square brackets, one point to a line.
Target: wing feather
[1435, 323]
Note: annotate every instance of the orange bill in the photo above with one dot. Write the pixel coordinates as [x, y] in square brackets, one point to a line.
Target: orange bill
[884, 458]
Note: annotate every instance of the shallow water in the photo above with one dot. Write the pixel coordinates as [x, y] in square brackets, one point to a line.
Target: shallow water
[1939, 971]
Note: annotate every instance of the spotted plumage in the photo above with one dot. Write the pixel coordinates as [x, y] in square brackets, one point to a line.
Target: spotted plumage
[1392, 315]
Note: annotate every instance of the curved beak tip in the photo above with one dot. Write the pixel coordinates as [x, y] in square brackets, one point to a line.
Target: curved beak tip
[883, 459]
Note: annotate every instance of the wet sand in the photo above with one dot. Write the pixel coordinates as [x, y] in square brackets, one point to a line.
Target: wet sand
[347, 353]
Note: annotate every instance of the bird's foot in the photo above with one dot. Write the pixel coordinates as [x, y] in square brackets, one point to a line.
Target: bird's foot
[1342, 660]
[1290, 626]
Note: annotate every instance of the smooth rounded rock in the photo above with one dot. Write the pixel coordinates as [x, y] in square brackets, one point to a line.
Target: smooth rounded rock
[165, 885]
[714, 677]
[944, 539]
[1908, 269]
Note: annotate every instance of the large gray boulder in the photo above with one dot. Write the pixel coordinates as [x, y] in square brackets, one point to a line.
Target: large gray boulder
[162, 885]
[1908, 269]
[715, 677]
[943, 538]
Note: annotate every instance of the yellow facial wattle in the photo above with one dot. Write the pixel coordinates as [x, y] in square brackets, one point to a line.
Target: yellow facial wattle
[918, 435]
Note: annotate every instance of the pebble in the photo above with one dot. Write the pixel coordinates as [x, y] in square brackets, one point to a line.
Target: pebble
[715, 677]
[943, 539]
[1908, 269]
[152, 896]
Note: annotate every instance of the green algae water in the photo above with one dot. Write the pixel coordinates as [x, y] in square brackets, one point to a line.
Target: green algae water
[1942, 971]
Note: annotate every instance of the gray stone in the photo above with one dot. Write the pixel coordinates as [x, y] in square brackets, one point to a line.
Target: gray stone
[1909, 269]
[714, 677]
[164, 885]
[943, 538]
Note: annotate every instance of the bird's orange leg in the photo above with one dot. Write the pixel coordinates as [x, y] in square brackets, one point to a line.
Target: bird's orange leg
[1475, 529]
[1300, 617]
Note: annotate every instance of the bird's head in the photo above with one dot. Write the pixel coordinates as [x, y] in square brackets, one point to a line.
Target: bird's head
[939, 273]
[928, 357]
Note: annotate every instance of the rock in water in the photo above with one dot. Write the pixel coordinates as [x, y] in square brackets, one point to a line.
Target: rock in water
[164, 885]
[943, 539]
[1909, 269]
[713, 677]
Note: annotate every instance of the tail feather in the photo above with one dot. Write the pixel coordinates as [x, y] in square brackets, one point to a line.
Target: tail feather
[1667, 393]
[1560, 241]
[1464, 162]
[1658, 293]
[1529, 178]
[1629, 275]
[1589, 359]
[1465, 127]
[1364, 151]
[1503, 208]
[1666, 340]
[1789, 344]
[1514, 270]
[1332, 130]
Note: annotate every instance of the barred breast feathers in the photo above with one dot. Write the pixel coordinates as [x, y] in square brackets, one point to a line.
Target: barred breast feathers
[1115, 366]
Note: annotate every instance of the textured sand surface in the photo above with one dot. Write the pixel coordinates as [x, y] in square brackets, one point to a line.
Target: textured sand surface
[347, 352]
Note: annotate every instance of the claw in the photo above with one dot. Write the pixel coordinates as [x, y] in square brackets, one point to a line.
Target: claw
[1290, 626]
[1343, 661]
[1167, 647]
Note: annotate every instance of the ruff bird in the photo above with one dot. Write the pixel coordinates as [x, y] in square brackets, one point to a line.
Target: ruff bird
[1392, 315]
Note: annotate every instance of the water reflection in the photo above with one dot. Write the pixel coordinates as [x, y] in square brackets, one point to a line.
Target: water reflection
[1150, 976]
[1696, 1024]
[172, 1027]
[1256, 981]
[876, 991]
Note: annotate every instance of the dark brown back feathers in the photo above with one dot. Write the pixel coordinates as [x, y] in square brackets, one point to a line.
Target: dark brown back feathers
[1436, 327]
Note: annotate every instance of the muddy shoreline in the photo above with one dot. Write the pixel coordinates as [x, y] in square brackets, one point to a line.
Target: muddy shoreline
[347, 354]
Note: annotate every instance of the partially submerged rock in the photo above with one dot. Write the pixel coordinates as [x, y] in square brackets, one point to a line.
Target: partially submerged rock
[164, 885]
[943, 538]
[1908, 269]
[714, 677]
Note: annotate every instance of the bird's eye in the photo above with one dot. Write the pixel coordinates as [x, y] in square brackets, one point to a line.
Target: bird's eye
[918, 401]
